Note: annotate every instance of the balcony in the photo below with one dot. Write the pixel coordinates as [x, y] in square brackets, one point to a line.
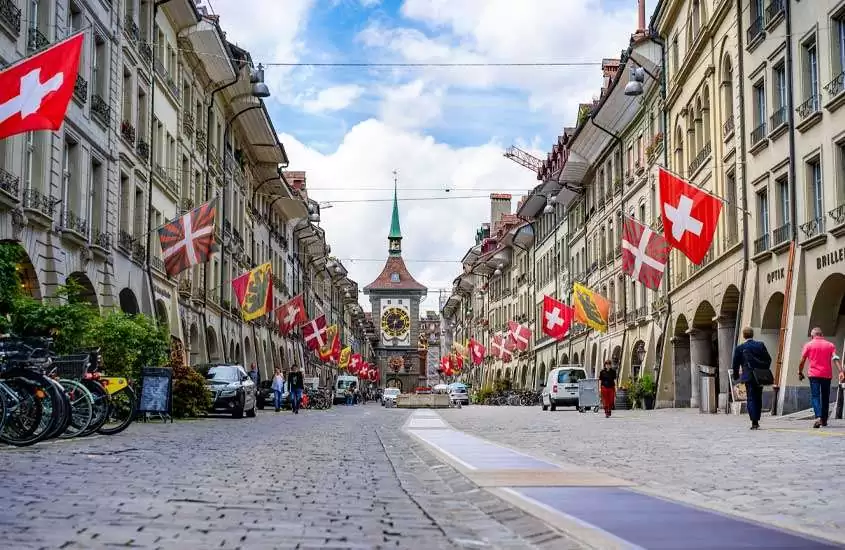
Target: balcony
[835, 86]
[127, 132]
[9, 183]
[139, 251]
[774, 10]
[160, 171]
[200, 141]
[755, 30]
[10, 16]
[75, 223]
[102, 240]
[728, 127]
[700, 158]
[80, 90]
[142, 148]
[36, 41]
[34, 199]
[131, 27]
[707, 260]
[146, 52]
[807, 110]
[777, 119]
[758, 134]
[188, 124]
[641, 312]
[100, 109]
[157, 264]
[187, 204]
[813, 228]
[125, 241]
[781, 234]
[838, 215]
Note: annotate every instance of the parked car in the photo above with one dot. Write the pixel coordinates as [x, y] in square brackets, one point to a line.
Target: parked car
[231, 388]
[561, 387]
[389, 394]
[458, 393]
[265, 395]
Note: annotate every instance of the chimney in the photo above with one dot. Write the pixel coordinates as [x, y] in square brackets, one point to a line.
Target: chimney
[641, 27]
[500, 203]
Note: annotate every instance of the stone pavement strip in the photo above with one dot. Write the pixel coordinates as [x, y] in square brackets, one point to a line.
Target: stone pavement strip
[786, 474]
[339, 479]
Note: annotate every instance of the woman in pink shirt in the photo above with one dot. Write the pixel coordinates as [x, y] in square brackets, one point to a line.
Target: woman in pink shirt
[819, 352]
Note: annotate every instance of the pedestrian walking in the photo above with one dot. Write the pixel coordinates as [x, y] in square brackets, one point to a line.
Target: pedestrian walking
[819, 353]
[253, 374]
[278, 387]
[607, 379]
[752, 355]
[295, 385]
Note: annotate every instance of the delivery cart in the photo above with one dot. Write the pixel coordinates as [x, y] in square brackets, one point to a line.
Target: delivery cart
[588, 395]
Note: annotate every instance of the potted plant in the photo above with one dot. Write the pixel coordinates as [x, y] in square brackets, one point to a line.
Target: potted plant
[623, 391]
[646, 391]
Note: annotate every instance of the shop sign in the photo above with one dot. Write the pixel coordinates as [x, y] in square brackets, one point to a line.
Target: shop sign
[829, 259]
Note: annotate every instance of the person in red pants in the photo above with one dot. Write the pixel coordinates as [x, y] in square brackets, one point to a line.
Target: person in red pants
[607, 380]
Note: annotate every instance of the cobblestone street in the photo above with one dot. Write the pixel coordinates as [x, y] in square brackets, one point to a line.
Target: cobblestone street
[343, 478]
[711, 461]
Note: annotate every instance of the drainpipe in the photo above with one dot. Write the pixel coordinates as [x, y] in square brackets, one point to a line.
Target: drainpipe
[148, 236]
[207, 194]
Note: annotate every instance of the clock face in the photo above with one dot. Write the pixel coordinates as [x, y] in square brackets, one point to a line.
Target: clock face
[395, 322]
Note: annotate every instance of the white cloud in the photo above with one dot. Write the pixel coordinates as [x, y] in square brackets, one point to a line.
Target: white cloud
[333, 99]
[413, 105]
[432, 229]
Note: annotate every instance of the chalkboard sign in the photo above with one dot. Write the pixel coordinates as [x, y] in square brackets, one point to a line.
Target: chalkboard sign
[156, 390]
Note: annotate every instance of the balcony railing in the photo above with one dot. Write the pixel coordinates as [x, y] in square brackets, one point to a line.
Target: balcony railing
[9, 182]
[728, 126]
[188, 124]
[146, 52]
[187, 204]
[36, 41]
[755, 29]
[200, 141]
[838, 214]
[103, 240]
[778, 118]
[700, 157]
[36, 200]
[809, 107]
[131, 27]
[708, 258]
[10, 15]
[781, 234]
[758, 134]
[127, 132]
[100, 109]
[157, 264]
[641, 312]
[125, 240]
[813, 227]
[73, 222]
[143, 149]
[774, 9]
[80, 89]
[835, 86]
[139, 251]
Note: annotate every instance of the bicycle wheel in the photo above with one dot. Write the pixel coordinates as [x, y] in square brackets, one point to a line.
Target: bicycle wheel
[121, 413]
[27, 404]
[100, 408]
[62, 403]
[81, 408]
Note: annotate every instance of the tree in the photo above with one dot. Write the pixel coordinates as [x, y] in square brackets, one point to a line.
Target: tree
[65, 317]
[10, 256]
[128, 342]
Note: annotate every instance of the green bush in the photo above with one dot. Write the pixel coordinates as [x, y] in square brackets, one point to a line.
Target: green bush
[190, 397]
[482, 394]
[65, 318]
[128, 342]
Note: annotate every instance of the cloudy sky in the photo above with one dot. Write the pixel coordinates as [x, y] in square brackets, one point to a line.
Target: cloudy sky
[438, 128]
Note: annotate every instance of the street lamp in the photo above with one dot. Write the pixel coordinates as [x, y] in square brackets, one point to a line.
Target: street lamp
[634, 87]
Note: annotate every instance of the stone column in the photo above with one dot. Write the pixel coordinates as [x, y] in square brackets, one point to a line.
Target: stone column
[699, 355]
[725, 327]
[680, 368]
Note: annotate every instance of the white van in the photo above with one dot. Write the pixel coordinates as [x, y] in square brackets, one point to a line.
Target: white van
[561, 389]
[343, 382]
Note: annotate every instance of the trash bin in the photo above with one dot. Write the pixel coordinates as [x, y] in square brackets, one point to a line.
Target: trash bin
[707, 385]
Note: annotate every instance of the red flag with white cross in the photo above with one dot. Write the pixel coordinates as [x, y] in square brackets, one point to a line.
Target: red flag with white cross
[314, 333]
[35, 92]
[520, 334]
[476, 352]
[644, 253]
[500, 348]
[291, 314]
[689, 216]
[557, 318]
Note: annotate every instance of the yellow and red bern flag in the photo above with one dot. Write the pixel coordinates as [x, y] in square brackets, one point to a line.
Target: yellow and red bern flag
[332, 339]
[591, 308]
[254, 292]
[345, 355]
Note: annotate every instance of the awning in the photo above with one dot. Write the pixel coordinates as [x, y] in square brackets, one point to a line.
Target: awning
[207, 38]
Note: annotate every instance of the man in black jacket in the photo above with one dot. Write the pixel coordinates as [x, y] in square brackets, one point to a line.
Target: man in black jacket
[748, 355]
[295, 387]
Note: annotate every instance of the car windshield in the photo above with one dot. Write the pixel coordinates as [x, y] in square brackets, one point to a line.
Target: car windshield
[571, 376]
[391, 392]
[343, 384]
[223, 374]
[459, 390]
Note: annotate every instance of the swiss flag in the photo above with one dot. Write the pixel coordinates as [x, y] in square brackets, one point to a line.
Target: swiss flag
[35, 92]
[557, 318]
[291, 315]
[644, 253]
[500, 348]
[476, 352]
[520, 334]
[314, 333]
[355, 363]
[689, 216]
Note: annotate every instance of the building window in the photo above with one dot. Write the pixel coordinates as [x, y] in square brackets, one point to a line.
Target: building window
[99, 68]
[758, 95]
[778, 96]
[762, 242]
[783, 200]
[840, 170]
[731, 210]
[810, 79]
[814, 184]
[838, 36]
[675, 56]
[97, 186]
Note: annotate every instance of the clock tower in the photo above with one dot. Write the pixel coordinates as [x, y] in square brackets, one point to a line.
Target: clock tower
[395, 298]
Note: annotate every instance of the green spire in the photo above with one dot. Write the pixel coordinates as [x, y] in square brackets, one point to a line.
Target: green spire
[395, 232]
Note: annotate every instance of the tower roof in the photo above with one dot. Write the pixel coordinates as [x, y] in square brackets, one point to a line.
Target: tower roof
[395, 276]
[395, 231]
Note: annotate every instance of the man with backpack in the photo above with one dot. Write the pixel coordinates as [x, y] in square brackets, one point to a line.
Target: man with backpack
[756, 364]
